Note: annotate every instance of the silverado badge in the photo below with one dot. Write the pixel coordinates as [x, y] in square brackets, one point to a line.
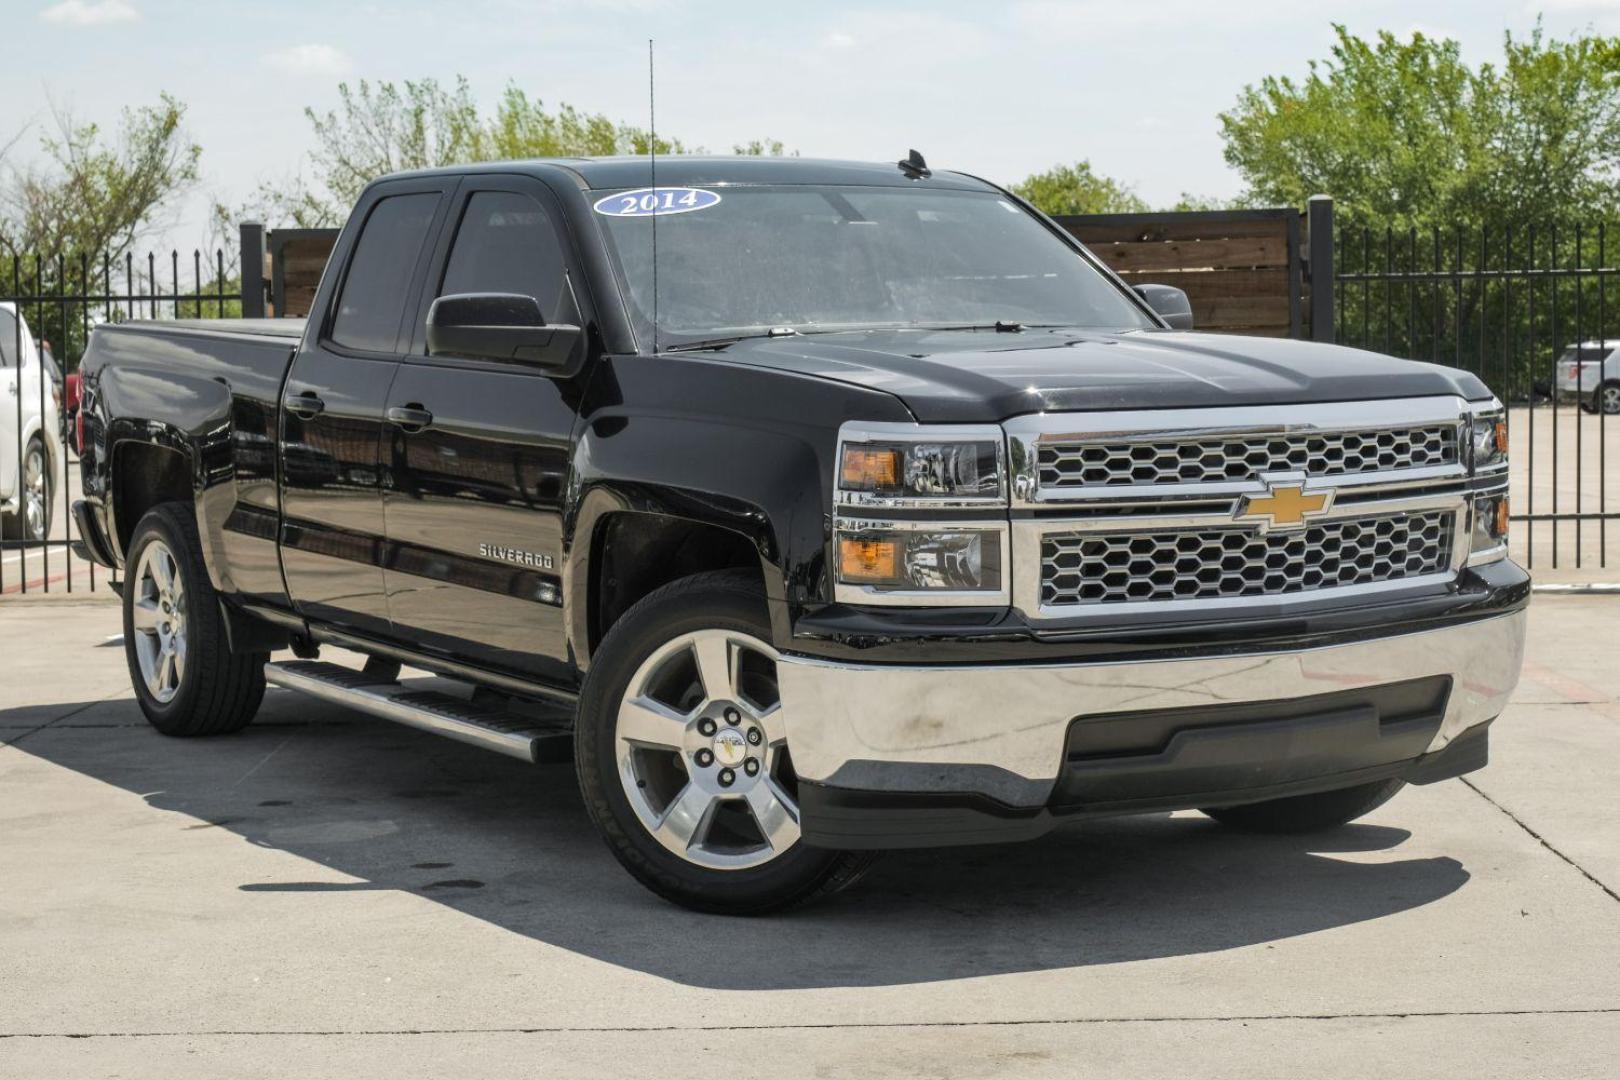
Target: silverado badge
[1285, 505]
[536, 559]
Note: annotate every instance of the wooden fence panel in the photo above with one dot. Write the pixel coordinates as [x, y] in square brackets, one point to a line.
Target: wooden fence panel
[1239, 269]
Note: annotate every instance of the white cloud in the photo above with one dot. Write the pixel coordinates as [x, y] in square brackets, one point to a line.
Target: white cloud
[309, 60]
[90, 12]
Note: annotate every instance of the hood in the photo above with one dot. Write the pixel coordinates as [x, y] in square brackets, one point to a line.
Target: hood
[979, 376]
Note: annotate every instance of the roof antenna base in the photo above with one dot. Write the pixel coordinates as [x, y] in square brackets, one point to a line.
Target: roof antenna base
[915, 167]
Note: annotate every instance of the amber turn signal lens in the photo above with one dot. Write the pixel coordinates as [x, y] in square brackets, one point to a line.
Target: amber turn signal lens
[1501, 522]
[868, 560]
[869, 469]
[1502, 441]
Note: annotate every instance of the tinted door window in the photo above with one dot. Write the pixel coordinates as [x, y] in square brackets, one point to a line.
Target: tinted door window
[507, 244]
[8, 339]
[373, 301]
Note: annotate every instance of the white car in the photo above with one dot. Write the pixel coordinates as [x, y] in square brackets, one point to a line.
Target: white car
[30, 433]
[1590, 373]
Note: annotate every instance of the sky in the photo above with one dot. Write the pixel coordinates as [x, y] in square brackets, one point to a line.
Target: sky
[999, 90]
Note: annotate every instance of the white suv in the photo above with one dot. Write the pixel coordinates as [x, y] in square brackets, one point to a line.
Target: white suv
[1590, 373]
[30, 440]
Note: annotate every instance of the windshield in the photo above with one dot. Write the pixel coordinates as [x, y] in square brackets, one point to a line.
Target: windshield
[814, 258]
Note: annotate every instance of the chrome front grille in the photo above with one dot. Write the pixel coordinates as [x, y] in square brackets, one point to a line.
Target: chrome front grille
[1225, 458]
[1219, 510]
[1083, 568]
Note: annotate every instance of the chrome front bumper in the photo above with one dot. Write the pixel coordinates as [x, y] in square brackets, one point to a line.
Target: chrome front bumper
[1000, 731]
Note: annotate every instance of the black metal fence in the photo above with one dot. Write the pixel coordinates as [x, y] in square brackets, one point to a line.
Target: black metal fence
[1514, 303]
[1507, 302]
[49, 303]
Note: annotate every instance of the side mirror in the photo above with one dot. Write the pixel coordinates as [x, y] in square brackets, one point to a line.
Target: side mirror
[498, 326]
[1170, 303]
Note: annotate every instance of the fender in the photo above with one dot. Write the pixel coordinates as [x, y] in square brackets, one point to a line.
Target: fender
[696, 439]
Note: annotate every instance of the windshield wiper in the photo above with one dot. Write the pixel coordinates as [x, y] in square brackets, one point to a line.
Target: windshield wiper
[1000, 326]
[722, 342]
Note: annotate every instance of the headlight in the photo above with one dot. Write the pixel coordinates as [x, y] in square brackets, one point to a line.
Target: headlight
[905, 562]
[956, 554]
[1489, 440]
[1488, 457]
[897, 465]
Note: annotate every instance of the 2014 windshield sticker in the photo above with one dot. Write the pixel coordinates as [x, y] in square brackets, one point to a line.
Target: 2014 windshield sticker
[656, 202]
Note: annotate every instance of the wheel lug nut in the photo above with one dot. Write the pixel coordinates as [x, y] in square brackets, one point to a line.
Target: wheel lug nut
[727, 777]
[751, 767]
[706, 726]
[705, 758]
[754, 736]
[733, 716]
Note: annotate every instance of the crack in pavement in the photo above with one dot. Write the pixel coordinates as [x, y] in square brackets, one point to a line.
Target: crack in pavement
[27, 731]
[831, 1026]
[1542, 840]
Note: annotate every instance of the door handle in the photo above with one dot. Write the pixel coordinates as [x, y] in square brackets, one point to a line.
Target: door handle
[306, 405]
[412, 417]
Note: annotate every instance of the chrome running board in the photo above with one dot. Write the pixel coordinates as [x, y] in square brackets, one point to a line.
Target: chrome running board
[535, 739]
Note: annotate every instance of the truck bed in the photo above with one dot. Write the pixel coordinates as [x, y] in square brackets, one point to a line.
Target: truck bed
[212, 389]
[292, 329]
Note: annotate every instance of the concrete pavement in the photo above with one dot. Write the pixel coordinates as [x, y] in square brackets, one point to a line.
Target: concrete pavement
[328, 895]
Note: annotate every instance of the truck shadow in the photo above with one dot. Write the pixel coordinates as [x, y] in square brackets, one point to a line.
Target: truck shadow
[510, 844]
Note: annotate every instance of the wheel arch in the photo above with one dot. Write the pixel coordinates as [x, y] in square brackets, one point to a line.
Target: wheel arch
[624, 548]
[144, 474]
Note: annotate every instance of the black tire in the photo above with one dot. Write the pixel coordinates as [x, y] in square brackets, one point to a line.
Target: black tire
[1607, 398]
[722, 600]
[19, 526]
[217, 691]
[1308, 813]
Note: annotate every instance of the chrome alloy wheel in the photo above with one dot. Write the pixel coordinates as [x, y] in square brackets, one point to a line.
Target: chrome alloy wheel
[1609, 399]
[36, 493]
[158, 613]
[702, 751]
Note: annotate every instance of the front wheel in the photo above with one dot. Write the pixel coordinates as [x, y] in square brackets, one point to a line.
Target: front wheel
[683, 756]
[1308, 813]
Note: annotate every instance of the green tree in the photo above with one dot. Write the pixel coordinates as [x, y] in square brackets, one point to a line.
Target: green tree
[68, 221]
[763, 148]
[386, 127]
[96, 195]
[1078, 189]
[1405, 133]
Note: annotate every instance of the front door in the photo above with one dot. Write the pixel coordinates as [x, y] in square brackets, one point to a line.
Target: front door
[479, 453]
[332, 542]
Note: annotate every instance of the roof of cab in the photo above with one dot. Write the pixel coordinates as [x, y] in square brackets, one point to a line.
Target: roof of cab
[718, 170]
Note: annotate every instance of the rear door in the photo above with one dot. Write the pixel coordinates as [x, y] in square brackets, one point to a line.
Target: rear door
[332, 542]
[479, 452]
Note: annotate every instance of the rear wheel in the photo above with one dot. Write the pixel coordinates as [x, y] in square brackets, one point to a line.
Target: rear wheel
[683, 757]
[32, 520]
[1608, 398]
[186, 679]
[1308, 813]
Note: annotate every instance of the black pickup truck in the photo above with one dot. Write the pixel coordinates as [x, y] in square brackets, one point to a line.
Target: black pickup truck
[813, 509]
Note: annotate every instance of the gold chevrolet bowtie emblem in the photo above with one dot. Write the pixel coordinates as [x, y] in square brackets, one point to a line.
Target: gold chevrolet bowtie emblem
[1285, 505]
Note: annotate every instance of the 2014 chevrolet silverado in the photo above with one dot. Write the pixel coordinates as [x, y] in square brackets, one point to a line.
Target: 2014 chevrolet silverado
[814, 508]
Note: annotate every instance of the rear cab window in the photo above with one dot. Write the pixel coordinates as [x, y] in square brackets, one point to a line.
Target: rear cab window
[371, 307]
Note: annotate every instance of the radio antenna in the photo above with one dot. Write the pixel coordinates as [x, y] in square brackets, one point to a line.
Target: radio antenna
[652, 168]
